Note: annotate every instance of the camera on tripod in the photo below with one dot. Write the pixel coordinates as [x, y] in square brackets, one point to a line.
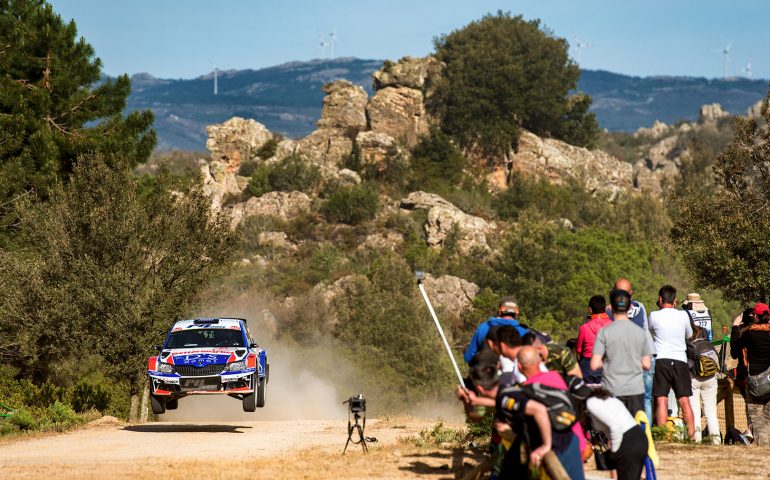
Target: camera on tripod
[357, 403]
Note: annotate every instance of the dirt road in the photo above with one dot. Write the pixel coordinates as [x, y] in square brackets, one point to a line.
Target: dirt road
[112, 449]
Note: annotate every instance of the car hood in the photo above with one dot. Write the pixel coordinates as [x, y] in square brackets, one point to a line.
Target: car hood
[201, 357]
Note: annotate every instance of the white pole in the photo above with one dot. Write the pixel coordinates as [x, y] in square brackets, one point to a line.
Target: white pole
[441, 332]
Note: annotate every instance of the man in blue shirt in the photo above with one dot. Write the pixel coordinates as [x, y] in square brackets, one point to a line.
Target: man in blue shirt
[507, 314]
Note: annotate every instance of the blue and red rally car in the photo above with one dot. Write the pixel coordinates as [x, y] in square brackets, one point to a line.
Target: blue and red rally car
[208, 356]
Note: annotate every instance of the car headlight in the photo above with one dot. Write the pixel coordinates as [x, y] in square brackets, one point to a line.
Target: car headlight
[165, 368]
[236, 366]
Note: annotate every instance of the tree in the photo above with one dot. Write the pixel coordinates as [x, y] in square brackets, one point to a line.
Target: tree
[724, 237]
[107, 271]
[54, 104]
[504, 73]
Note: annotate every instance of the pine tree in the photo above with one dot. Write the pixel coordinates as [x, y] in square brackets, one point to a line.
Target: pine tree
[55, 105]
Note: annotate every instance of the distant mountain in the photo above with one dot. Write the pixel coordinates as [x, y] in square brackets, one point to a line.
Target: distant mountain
[287, 98]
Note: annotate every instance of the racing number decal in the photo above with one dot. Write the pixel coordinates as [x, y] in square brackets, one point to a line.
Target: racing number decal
[152, 364]
[251, 361]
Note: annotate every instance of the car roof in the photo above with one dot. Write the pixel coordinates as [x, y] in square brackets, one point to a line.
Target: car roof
[209, 323]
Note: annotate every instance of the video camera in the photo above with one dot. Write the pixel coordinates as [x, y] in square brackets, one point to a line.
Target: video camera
[356, 403]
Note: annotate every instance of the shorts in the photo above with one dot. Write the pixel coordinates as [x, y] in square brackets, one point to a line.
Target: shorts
[671, 374]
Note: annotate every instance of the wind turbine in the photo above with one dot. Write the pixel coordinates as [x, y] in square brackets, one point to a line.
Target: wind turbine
[726, 52]
[747, 70]
[216, 78]
[579, 46]
[333, 41]
[320, 49]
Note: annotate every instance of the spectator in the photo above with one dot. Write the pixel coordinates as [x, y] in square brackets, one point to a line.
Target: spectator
[628, 442]
[622, 349]
[570, 452]
[587, 336]
[555, 356]
[521, 419]
[756, 342]
[638, 315]
[704, 360]
[740, 324]
[699, 314]
[508, 312]
[670, 330]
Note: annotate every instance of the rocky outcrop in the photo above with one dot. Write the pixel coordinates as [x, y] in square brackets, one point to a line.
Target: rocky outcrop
[344, 106]
[410, 72]
[383, 241]
[276, 241]
[235, 141]
[595, 170]
[755, 111]
[218, 183]
[444, 218]
[374, 147]
[710, 114]
[282, 205]
[658, 129]
[400, 113]
[452, 294]
[342, 116]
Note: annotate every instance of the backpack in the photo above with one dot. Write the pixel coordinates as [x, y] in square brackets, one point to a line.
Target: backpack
[558, 402]
[704, 358]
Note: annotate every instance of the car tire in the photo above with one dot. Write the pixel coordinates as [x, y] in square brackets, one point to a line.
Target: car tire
[250, 399]
[158, 405]
[261, 387]
[172, 404]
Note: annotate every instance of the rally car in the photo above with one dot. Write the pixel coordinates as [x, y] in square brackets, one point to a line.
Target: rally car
[207, 356]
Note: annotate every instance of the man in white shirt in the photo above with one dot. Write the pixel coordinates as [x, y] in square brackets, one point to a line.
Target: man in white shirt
[670, 330]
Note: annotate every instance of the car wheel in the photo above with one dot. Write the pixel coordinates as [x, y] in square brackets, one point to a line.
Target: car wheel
[261, 387]
[158, 405]
[172, 404]
[250, 399]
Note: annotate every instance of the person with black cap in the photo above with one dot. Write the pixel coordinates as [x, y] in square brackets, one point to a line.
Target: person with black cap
[623, 351]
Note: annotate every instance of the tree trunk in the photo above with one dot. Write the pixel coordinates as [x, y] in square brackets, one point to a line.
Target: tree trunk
[145, 399]
[132, 413]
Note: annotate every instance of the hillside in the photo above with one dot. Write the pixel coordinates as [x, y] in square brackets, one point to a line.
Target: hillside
[287, 98]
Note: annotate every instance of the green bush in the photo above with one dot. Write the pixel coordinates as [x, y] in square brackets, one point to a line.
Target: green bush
[87, 395]
[438, 436]
[23, 419]
[436, 162]
[351, 205]
[293, 173]
[62, 413]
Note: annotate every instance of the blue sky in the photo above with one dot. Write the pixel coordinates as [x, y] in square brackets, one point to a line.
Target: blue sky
[185, 38]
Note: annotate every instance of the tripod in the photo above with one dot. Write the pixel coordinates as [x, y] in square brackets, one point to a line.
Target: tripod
[359, 427]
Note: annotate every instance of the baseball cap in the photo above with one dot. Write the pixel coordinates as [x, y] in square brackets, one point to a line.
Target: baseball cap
[760, 308]
[508, 302]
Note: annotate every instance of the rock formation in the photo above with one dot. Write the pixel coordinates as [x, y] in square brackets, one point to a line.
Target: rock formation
[236, 141]
[282, 205]
[595, 170]
[452, 294]
[444, 217]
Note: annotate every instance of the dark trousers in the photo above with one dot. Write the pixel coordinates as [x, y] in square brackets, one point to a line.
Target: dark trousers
[629, 459]
[589, 376]
[633, 403]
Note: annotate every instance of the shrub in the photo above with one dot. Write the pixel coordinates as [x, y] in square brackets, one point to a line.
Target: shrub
[293, 173]
[438, 436]
[268, 149]
[351, 205]
[62, 413]
[436, 161]
[87, 395]
[23, 419]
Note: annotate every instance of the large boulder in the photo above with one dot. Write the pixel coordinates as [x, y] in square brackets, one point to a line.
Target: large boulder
[452, 294]
[400, 113]
[282, 205]
[219, 183]
[374, 147]
[557, 161]
[444, 217]
[326, 147]
[711, 113]
[344, 106]
[236, 140]
[417, 73]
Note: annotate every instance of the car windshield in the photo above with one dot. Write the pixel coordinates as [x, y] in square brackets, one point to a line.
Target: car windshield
[209, 337]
